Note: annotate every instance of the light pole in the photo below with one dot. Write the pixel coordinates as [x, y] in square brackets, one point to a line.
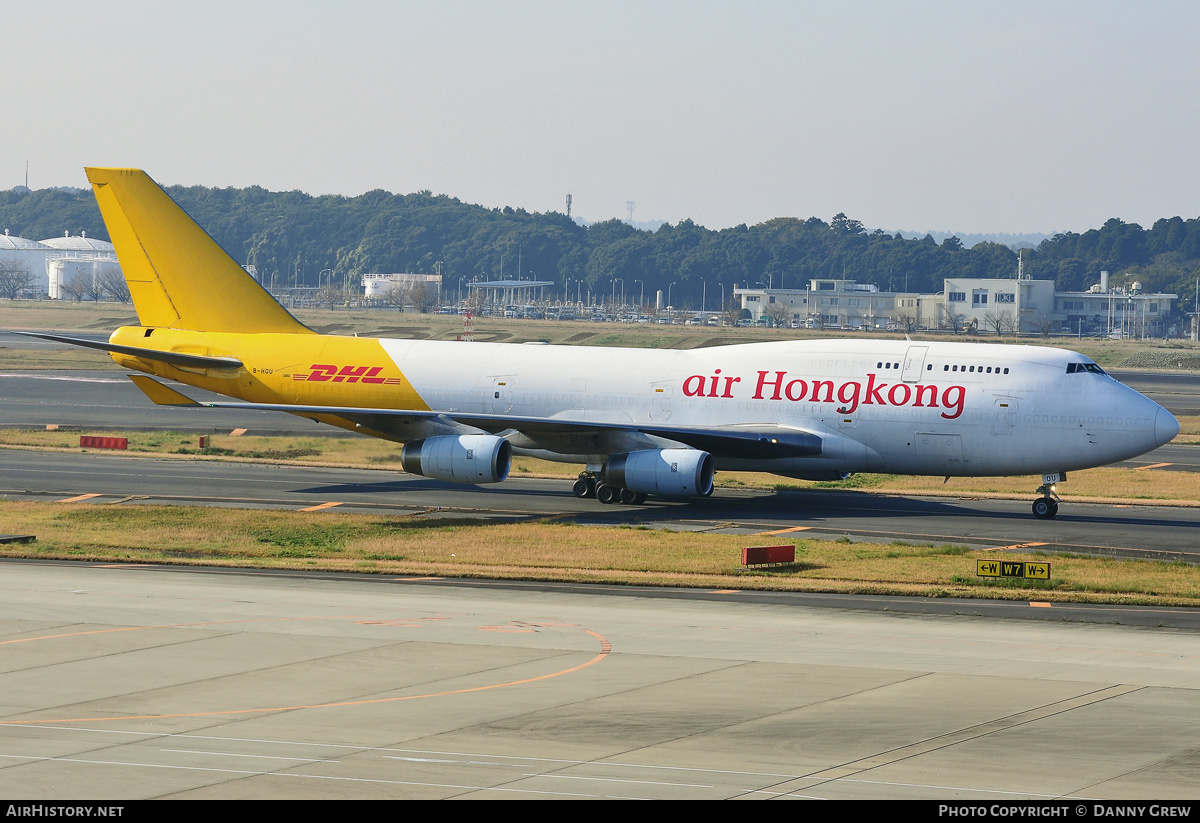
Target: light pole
[321, 272]
[642, 299]
[669, 304]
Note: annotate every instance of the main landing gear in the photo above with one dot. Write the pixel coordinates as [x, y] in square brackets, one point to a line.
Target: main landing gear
[1046, 506]
[589, 485]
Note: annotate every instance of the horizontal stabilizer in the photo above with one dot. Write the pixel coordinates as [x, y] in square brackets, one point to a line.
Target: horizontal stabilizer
[160, 394]
[193, 361]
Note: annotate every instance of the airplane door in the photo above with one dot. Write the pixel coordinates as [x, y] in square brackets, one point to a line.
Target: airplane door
[914, 364]
[660, 401]
[1005, 415]
[502, 395]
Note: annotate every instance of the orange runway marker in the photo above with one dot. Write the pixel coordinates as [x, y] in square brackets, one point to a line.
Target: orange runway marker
[322, 506]
[785, 531]
[79, 497]
[1039, 604]
[726, 591]
[1151, 466]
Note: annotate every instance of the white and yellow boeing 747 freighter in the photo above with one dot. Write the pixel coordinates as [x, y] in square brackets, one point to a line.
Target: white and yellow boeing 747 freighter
[642, 421]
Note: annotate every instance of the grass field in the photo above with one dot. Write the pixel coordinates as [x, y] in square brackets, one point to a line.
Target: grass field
[550, 551]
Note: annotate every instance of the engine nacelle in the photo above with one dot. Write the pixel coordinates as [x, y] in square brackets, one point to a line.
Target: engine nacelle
[669, 472]
[468, 458]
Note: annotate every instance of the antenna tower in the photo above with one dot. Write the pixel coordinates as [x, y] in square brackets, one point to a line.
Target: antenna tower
[568, 204]
[630, 206]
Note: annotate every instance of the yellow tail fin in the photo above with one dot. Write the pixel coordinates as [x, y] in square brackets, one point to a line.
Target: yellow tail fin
[178, 276]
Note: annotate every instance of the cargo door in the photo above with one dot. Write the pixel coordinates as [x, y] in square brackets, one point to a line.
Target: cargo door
[502, 395]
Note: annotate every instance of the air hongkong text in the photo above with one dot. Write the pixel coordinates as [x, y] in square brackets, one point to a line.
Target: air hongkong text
[780, 385]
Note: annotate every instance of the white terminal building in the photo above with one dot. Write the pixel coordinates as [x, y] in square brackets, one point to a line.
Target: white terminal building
[56, 261]
[1003, 306]
[376, 286]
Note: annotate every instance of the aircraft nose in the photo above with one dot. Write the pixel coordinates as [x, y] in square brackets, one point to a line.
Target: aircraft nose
[1165, 427]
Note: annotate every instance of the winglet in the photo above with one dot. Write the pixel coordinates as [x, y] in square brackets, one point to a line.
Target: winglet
[160, 394]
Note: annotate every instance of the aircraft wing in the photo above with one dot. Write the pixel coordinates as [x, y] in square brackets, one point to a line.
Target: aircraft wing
[757, 442]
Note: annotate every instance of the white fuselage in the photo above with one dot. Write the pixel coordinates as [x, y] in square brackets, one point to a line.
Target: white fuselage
[941, 408]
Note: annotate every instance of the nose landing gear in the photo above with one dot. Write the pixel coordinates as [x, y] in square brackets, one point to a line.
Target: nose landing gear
[1046, 506]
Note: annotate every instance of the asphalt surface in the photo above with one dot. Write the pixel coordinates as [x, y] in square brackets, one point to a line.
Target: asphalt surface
[125, 682]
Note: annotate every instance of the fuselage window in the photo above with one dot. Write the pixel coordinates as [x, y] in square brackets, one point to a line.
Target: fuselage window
[945, 368]
[972, 368]
[929, 367]
[955, 368]
[1006, 370]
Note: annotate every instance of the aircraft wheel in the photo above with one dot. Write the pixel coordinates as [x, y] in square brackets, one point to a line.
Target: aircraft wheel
[1044, 508]
[607, 494]
[582, 488]
[629, 497]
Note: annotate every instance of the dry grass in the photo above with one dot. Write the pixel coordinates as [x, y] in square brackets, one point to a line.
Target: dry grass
[546, 551]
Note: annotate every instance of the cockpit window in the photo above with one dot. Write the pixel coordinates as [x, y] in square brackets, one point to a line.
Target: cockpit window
[1073, 368]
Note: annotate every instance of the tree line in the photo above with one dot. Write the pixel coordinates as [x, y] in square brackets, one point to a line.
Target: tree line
[294, 238]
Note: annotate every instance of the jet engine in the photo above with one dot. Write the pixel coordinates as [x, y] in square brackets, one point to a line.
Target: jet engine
[468, 458]
[669, 472]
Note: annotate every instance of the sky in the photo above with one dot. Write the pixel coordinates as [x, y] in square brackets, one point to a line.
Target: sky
[1002, 117]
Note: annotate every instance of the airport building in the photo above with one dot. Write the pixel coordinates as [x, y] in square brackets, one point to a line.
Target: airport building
[54, 263]
[510, 292]
[832, 304]
[985, 306]
[24, 260]
[377, 286]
